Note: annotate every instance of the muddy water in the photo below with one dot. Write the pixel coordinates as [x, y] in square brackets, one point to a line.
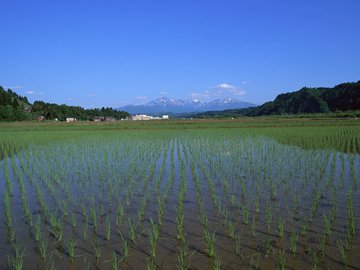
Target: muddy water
[269, 181]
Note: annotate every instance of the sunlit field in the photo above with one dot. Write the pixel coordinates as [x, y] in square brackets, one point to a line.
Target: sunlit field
[241, 194]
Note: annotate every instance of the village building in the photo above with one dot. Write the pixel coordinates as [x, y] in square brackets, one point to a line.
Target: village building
[70, 119]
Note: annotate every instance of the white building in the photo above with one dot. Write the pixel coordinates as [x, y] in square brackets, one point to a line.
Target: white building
[144, 117]
[165, 117]
[70, 119]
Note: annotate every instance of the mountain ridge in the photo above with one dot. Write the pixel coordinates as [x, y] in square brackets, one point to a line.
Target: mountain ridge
[172, 105]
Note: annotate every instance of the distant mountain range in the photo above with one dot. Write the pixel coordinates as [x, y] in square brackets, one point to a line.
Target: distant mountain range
[180, 106]
[340, 98]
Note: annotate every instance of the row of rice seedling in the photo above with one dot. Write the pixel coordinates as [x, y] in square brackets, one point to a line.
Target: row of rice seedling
[109, 199]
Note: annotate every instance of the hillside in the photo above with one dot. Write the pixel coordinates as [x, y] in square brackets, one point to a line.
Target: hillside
[341, 98]
[14, 107]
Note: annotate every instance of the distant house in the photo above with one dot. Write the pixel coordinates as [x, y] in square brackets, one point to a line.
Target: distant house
[27, 109]
[99, 118]
[70, 119]
[110, 119]
[104, 118]
[165, 117]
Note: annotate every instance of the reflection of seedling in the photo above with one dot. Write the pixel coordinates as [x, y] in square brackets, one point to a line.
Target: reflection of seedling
[101, 210]
[303, 228]
[73, 220]
[351, 217]
[327, 225]
[268, 215]
[246, 215]
[322, 244]
[237, 244]
[107, 228]
[85, 230]
[253, 227]
[231, 226]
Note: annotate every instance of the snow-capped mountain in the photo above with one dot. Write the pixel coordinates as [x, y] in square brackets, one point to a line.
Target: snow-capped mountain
[171, 105]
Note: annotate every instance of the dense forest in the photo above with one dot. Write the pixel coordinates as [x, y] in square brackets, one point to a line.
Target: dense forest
[341, 98]
[14, 107]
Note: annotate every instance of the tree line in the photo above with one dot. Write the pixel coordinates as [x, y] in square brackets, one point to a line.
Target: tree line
[14, 107]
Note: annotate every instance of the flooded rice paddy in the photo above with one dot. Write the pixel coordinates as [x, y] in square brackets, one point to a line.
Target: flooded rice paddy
[179, 200]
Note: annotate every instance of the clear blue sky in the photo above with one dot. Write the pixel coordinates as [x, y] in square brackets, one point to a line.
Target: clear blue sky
[110, 53]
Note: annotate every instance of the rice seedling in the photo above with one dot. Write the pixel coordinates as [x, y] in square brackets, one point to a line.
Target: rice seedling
[43, 246]
[245, 213]
[37, 229]
[107, 229]
[132, 229]
[71, 246]
[16, 261]
[343, 252]
[282, 259]
[85, 229]
[327, 225]
[115, 261]
[11, 235]
[267, 246]
[254, 261]
[216, 264]
[322, 244]
[136, 176]
[253, 227]
[231, 226]
[151, 264]
[73, 220]
[303, 228]
[293, 242]
[315, 260]
[209, 241]
[97, 250]
[125, 250]
[153, 237]
[93, 217]
[280, 228]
